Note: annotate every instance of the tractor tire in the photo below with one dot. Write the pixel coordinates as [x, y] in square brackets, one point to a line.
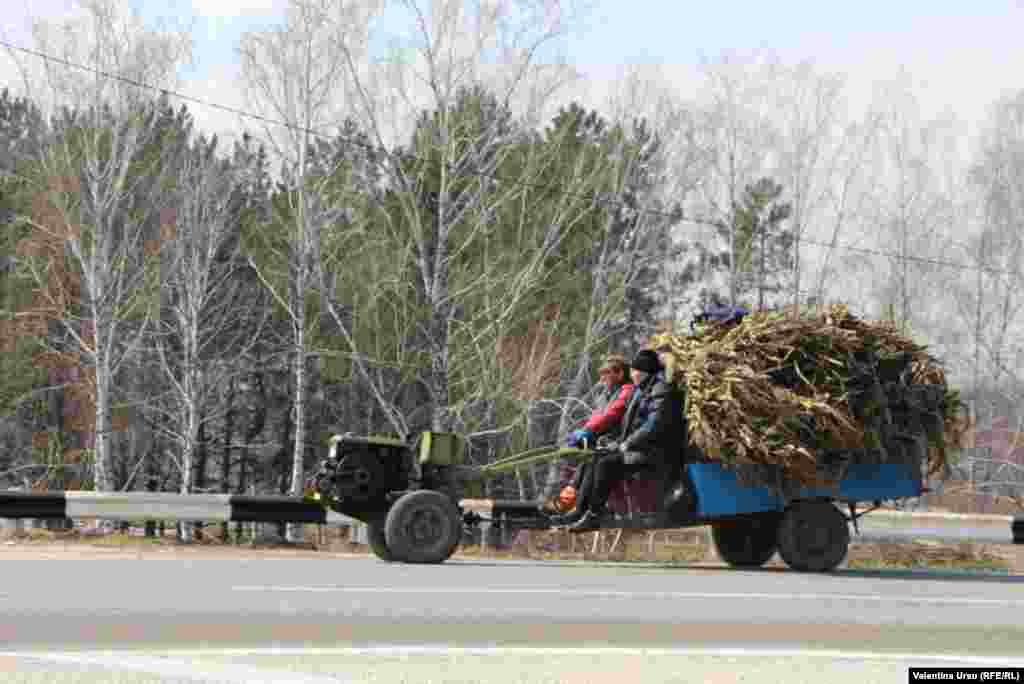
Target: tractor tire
[748, 543]
[378, 540]
[813, 536]
[424, 526]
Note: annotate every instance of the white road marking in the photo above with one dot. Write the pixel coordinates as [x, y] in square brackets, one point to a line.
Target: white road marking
[657, 595]
[167, 666]
[181, 668]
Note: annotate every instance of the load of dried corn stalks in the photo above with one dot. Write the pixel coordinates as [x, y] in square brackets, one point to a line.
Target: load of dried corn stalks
[803, 392]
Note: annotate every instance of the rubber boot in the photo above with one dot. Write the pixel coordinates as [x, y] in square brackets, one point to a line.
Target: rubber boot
[590, 521]
[568, 518]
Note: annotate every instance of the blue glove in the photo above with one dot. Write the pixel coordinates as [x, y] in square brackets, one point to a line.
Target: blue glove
[577, 437]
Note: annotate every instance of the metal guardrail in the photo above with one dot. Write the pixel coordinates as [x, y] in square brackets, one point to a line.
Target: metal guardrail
[946, 527]
[936, 527]
[165, 506]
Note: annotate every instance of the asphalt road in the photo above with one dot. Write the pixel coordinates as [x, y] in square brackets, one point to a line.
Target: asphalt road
[351, 619]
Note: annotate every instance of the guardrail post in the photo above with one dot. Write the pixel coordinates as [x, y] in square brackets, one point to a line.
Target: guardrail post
[151, 486]
[360, 535]
[485, 532]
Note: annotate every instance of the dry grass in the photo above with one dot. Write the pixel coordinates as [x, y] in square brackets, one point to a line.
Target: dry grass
[667, 546]
[964, 556]
[691, 546]
[316, 538]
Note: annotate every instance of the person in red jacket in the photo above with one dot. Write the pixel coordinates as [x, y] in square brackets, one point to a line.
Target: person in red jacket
[606, 420]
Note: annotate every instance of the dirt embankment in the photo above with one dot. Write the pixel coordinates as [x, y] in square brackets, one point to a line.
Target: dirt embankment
[690, 546]
[694, 546]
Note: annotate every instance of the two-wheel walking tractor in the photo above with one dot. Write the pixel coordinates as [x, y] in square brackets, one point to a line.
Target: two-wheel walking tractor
[417, 499]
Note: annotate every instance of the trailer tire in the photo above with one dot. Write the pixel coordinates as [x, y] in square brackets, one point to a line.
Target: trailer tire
[378, 540]
[747, 543]
[424, 526]
[814, 536]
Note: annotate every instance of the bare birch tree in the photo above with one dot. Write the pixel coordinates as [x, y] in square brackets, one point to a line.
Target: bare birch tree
[685, 152]
[295, 74]
[649, 168]
[95, 191]
[766, 118]
[445, 186]
[212, 313]
[102, 177]
[990, 298]
[913, 206]
[819, 154]
[845, 198]
[740, 134]
[111, 38]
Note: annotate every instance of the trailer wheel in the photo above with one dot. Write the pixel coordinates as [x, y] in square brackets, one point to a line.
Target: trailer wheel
[747, 543]
[378, 540]
[813, 536]
[424, 526]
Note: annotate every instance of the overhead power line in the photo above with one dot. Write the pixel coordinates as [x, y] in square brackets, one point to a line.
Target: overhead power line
[904, 257]
[594, 197]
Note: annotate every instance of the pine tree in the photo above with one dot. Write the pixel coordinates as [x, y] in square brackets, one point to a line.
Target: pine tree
[764, 249]
[754, 252]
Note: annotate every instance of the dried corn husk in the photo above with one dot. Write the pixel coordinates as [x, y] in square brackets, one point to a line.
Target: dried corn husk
[786, 388]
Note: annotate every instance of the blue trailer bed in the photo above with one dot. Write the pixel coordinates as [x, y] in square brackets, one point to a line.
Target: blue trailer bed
[720, 494]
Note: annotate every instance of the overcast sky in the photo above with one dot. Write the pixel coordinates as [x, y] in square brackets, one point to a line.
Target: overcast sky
[961, 55]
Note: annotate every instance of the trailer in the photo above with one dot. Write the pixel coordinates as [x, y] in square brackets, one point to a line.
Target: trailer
[417, 499]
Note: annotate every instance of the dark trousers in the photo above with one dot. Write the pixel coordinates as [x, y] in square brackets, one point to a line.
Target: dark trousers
[583, 481]
[607, 470]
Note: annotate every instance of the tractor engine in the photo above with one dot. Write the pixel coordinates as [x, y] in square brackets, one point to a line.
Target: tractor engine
[360, 472]
[362, 476]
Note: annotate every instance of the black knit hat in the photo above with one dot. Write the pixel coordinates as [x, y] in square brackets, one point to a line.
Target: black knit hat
[646, 361]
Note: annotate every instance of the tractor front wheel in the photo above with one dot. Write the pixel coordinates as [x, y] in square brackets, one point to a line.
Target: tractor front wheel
[424, 526]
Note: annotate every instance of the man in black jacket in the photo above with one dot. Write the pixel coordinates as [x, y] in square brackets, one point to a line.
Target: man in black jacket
[653, 431]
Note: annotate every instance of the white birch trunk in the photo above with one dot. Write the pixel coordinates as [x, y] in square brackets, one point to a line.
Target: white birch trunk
[440, 312]
[298, 457]
[101, 465]
[185, 528]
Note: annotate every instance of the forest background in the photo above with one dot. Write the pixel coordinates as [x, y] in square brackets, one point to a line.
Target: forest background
[427, 217]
